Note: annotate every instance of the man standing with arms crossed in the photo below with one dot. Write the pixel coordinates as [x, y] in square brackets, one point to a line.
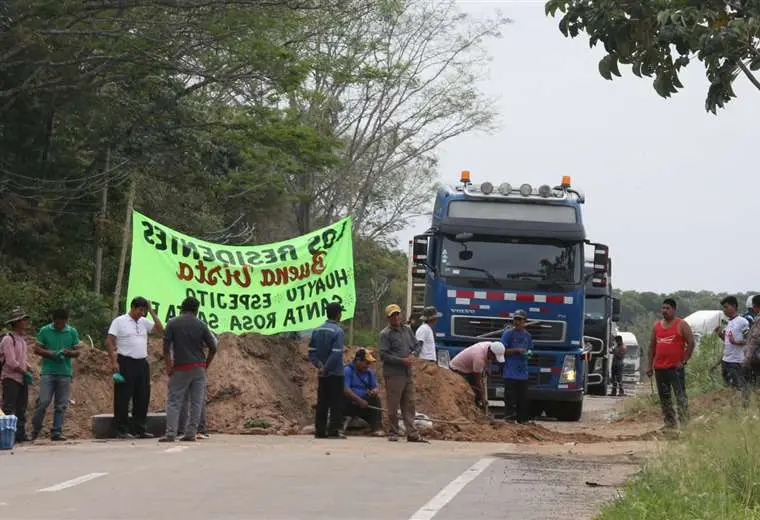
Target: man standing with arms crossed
[127, 346]
[398, 348]
[670, 348]
[186, 363]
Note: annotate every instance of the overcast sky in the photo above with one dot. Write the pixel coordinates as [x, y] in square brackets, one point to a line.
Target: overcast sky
[669, 186]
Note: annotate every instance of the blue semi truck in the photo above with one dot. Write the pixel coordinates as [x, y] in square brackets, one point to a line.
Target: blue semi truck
[494, 249]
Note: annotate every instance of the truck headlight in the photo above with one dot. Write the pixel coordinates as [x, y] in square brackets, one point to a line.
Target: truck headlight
[568, 370]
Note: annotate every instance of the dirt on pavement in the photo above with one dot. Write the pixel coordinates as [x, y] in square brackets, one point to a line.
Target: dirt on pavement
[265, 385]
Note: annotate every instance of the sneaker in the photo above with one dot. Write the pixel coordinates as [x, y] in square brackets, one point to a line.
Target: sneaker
[338, 435]
[203, 436]
[125, 436]
[146, 435]
[419, 439]
[188, 439]
[167, 438]
[57, 438]
[378, 433]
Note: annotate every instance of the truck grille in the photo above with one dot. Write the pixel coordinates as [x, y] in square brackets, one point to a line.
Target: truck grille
[475, 327]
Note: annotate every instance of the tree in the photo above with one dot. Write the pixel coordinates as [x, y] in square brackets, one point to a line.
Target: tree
[392, 86]
[658, 39]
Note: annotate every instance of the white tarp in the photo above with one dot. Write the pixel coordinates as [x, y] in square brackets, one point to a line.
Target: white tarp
[704, 322]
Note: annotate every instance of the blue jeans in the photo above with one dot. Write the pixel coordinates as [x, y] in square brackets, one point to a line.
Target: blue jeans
[57, 387]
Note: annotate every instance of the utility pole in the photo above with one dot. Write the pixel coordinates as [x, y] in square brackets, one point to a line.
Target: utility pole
[124, 246]
[100, 231]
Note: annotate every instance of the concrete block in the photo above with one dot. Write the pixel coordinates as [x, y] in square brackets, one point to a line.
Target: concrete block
[103, 427]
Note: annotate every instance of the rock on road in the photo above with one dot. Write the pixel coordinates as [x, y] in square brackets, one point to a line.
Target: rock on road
[293, 478]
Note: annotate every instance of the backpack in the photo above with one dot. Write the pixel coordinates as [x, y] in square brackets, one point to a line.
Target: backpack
[2, 355]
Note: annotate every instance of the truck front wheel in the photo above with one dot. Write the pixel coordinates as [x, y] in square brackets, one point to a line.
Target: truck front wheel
[567, 411]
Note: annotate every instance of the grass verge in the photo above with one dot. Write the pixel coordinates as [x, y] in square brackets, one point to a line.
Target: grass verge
[699, 379]
[711, 472]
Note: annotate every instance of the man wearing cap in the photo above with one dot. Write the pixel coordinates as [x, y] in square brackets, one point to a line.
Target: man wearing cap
[518, 343]
[425, 333]
[473, 361]
[360, 389]
[326, 354]
[398, 348]
[16, 375]
[127, 346]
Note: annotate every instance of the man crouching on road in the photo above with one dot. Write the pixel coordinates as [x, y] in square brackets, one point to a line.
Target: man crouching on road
[186, 364]
[398, 348]
[360, 389]
[473, 361]
[326, 354]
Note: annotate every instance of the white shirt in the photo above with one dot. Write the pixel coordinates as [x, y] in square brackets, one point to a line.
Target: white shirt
[734, 353]
[425, 335]
[131, 336]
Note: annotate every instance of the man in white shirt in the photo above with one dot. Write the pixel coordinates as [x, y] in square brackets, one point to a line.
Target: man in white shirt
[734, 343]
[425, 333]
[127, 346]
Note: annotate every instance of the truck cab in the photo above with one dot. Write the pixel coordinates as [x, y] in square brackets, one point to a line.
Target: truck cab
[601, 312]
[493, 250]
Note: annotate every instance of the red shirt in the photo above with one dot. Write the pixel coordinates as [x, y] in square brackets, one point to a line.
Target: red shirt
[670, 345]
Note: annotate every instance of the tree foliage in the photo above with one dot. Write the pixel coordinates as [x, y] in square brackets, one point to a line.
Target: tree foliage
[658, 39]
[238, 122]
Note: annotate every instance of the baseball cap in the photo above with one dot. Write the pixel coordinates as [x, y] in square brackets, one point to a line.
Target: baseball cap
[497, 347]
[392, 309]
[519, 313]
[364, 355]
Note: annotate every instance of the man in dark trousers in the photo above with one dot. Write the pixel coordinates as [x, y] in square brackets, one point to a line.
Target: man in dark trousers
[127, 345]
[16, 375]
[618, 354]
[185, 342]
[398, 349]
[518, 343]
[670, 348]
[326, 354]
[361, 390]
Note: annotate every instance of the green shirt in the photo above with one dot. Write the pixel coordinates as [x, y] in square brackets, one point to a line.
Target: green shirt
[54, 341]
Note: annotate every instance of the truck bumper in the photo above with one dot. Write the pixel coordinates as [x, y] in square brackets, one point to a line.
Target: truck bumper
[496, 393]
[570, 396]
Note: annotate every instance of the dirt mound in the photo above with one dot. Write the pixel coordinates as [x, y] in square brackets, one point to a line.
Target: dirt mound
[265, 385]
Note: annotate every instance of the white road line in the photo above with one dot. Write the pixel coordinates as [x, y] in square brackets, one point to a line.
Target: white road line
[71, 483]
[176, 449]
[451, 490]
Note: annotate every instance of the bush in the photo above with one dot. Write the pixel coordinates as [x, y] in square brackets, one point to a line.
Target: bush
[699, 379]
[90, 312]
[713, 472]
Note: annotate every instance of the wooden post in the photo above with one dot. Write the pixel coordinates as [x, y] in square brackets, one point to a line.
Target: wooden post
[124, 247]
[98, 277]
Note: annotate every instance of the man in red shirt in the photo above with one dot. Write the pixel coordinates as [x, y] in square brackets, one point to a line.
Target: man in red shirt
[670, 348]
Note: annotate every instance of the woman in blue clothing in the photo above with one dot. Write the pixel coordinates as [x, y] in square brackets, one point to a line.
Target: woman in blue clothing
[518, 343]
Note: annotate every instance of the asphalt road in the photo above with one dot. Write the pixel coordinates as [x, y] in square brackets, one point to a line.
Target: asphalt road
[289, 478]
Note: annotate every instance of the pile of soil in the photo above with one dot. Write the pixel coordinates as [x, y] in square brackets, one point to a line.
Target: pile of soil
[265, 385]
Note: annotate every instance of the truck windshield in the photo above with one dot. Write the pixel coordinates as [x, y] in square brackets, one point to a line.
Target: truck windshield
[596, 308]
[500, 262]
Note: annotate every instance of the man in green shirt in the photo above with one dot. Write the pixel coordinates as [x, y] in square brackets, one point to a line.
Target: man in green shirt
[57, 344]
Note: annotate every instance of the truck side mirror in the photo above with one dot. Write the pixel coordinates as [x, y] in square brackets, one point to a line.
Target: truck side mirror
[616, 309]
[601, 259]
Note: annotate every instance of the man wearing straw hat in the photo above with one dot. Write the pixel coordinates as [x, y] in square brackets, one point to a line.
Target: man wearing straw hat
[425, 334]
[15, 375]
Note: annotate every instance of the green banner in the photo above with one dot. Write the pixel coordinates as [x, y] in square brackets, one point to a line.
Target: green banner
[266, 289]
